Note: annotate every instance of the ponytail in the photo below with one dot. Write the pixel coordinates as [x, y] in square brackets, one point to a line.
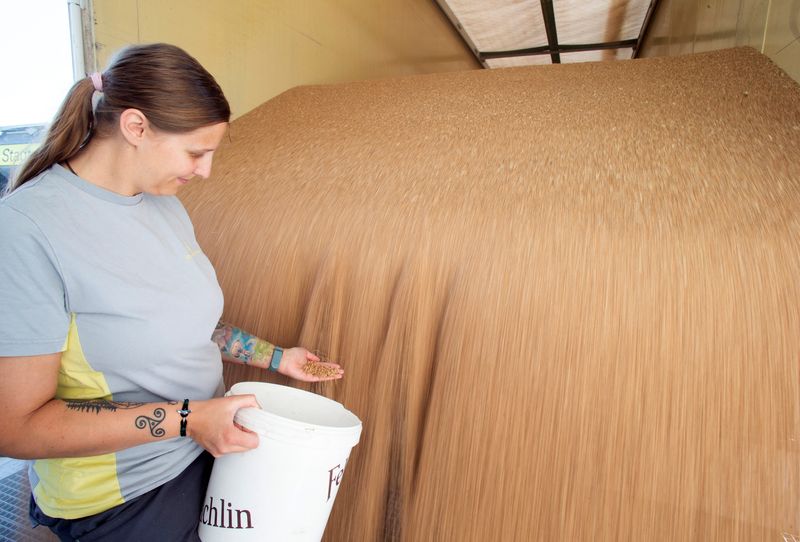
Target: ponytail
[70, 130]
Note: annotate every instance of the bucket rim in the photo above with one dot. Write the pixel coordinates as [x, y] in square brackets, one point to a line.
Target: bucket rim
[248, 416]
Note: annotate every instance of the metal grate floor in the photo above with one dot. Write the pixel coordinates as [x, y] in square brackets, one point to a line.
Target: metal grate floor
[14, 494]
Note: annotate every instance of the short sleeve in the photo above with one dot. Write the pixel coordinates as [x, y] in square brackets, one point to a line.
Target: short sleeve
[33, 316]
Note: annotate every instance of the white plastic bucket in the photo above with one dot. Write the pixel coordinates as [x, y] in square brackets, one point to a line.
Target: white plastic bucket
[284, 489]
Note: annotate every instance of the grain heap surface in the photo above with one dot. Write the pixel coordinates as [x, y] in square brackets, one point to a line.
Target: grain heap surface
[566, 298]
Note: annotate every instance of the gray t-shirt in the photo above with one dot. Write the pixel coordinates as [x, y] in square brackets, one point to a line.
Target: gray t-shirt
[119, 286]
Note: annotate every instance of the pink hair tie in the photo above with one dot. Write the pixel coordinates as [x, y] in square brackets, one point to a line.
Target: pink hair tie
[97, 81]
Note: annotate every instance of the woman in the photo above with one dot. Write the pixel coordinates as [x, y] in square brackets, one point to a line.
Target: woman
[110, 340]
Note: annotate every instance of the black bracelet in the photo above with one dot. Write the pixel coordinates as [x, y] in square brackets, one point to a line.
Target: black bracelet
[184, 412]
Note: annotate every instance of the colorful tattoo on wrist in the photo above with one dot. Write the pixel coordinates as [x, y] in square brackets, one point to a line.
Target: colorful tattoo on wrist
[240, 345]
[263, 351]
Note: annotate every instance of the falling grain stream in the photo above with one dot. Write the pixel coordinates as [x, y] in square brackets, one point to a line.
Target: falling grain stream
[566, 298]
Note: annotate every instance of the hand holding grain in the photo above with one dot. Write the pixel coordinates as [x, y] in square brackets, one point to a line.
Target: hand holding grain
[300, 364]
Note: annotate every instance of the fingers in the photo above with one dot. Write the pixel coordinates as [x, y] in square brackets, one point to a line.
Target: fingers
[234, 440]
[219, 451]
[337, 368]
[214, 427]
[319, 372]
[339, 371]
[325, 378]
[242, 427]
[312, 367]
[243, 440]
[243, 401]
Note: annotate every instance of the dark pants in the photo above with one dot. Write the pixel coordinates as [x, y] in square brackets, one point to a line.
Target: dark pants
[170, 512]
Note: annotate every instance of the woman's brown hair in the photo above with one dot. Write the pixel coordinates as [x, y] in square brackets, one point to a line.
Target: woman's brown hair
[163, 81]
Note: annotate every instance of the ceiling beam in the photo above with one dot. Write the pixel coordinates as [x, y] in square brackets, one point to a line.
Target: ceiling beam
[550, 27]
[545, 49]
[651, 10]
[553, 48]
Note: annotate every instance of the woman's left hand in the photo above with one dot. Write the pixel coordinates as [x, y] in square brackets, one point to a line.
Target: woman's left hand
[295, 359]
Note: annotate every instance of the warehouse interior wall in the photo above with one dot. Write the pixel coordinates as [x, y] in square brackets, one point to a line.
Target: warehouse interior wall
[770, 26]
[259, 48]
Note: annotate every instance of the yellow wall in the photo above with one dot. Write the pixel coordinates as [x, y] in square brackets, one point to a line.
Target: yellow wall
[686, 26]
[259, 48]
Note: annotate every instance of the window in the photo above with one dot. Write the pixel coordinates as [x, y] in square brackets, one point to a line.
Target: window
[38, 70]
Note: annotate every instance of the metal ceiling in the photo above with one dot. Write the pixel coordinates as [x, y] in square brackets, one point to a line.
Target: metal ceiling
[505, 33]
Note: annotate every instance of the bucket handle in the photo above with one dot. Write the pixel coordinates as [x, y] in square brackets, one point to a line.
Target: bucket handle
[242, 414]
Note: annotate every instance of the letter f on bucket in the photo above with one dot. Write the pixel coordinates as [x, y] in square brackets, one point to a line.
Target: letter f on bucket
[284, 489]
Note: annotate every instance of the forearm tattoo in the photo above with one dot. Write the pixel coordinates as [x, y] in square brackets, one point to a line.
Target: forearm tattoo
[97, 405]
[240, 345]
[153, 423]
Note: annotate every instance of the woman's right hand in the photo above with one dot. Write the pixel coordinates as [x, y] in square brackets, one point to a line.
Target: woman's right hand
[211, 424]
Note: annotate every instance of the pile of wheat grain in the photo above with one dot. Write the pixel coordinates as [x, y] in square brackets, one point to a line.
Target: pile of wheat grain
[566, 298]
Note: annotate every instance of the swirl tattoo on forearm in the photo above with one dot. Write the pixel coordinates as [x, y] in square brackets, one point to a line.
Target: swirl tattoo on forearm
[153, 423]
[98, 405]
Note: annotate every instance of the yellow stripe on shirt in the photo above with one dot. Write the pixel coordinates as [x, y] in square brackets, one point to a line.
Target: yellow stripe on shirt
[77, 487]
